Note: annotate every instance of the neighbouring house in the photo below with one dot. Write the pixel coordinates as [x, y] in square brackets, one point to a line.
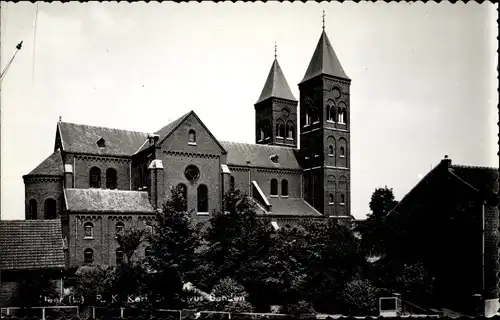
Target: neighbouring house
[30, 248]
[99, 181]
[449, 222]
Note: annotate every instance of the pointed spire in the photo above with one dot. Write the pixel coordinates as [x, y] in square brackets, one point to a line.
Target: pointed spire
[276, 85]
[324, 61]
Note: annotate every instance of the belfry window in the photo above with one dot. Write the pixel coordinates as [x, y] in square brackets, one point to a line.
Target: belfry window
[341, 116]
[192, 137]
[95, 177]
[290, 134]
[342, 152]
[308, 119]
[330, 150]
[280, 130]
[261, 134]
[331, 113]
[331, 199]
[342, 198]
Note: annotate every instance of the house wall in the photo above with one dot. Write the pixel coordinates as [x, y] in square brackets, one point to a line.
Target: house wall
[103, 242]
[41, 189]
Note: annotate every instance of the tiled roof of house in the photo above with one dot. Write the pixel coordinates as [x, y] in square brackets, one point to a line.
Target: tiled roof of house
[52, 166]
[324, 61]
[291, 207]
[165, 131]
[256, 155]
[31, 244]
[102, 200]
[79, 138]
[481, 178]
[276, 85]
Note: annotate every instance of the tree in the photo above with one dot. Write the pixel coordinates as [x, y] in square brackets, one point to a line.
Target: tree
[93, 281]
[173, 259]
[129, 242]
[33, 289]
[359, 297]
[229, 296]
[374, 230]
[238, 243]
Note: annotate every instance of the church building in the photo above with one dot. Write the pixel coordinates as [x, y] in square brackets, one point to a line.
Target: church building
[100, 181]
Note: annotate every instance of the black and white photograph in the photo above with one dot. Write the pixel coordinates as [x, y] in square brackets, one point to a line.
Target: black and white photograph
[248, 160]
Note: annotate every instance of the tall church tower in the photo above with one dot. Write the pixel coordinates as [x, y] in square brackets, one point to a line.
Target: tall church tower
[325, 132]
[276, 111]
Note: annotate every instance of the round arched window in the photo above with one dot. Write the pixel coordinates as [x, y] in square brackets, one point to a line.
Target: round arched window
[192, 173]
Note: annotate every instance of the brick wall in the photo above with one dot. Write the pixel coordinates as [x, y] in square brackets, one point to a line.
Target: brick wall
[83, 164]
[491, 252]
[41, 189]
[103, 243]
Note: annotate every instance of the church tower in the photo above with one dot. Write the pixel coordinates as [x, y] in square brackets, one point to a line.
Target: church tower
[325, 132]
[276, 111]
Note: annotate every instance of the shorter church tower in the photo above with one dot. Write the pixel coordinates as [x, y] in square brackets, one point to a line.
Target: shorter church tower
[276, 111]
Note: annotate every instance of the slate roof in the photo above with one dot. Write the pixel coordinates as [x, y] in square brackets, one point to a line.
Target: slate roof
[324, 61]
[165, 131]
[52, 166]
[259, 155]
[31, 244]
[102, 200]
[276, 85]
[291, 207]
[79, 138]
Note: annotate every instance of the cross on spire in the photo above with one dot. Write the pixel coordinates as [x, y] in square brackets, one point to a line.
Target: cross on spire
[275, 50]
[323, 19]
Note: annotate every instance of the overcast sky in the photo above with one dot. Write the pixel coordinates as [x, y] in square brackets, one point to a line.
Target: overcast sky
[423, 78]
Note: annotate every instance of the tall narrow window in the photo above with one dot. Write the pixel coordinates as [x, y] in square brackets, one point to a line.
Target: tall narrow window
[119, 228]
[261, 134]
[88, 230]
[50, 209]
[331, 199]
[330, 150]
[331, 113]
[88, 256]
[280, 128]
[274, 187]
[342, 198]
[308, 118]
[284, 187]
[111, 179]
[231, 183]
[342, 152]
[202, 198]
[119, 256]
[183, 190]
[341, 116]
[32, 209]
[290, 132]
[95, 177]
[192, 136]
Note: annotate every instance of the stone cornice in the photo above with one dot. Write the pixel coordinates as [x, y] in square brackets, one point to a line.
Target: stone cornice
[279, 171]
[148, 218]
[38, 179]
[120, 218]
[102, 158]
[89, 217]
[191, 154]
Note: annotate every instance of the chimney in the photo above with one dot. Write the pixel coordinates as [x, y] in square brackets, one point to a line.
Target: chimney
[446, 161]
[157, 183]
[68, 176]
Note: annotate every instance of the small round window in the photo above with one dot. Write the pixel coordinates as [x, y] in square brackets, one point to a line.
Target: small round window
[192, 173]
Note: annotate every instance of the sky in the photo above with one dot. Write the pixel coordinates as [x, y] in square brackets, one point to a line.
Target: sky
[424, 78]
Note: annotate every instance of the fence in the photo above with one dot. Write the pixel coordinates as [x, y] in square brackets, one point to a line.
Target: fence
[40, 312]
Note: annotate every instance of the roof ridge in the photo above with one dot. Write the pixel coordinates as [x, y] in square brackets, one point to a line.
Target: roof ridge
[105, 190]
[260, 145]
[473, 167]
[101, 127]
